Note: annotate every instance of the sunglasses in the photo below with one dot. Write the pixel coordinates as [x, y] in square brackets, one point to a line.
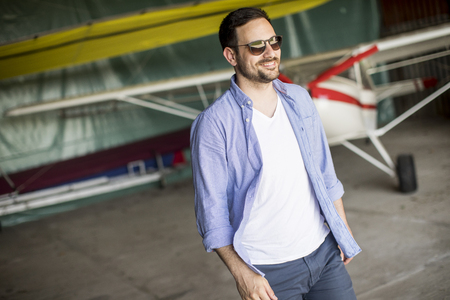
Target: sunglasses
[258, 47]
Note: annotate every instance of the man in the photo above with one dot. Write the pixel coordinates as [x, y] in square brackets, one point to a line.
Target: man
[266, 193]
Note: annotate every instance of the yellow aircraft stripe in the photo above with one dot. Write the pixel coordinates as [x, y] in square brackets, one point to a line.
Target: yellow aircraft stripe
[134, 33]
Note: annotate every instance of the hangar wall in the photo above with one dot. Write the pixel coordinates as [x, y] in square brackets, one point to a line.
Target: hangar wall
[34, 140]
[400, 16]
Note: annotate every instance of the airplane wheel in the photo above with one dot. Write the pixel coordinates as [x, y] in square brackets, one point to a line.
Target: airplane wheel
[406, 173]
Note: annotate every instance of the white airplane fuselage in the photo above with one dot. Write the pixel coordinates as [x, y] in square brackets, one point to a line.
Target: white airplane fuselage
[347, 111]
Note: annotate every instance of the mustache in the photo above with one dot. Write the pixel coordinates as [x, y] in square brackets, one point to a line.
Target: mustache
[267, 60]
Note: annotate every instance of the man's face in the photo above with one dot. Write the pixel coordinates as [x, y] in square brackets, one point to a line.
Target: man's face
[262, 68]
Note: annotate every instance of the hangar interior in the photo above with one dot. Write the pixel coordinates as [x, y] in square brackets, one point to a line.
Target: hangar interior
[35, 143]
[100, 95]
[110, 91]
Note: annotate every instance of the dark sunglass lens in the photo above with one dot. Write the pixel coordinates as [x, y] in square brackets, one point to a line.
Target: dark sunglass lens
[275, 42]
[275, 46]
[257, 50]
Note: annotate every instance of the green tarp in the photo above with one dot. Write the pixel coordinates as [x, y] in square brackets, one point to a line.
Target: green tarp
[30, 141]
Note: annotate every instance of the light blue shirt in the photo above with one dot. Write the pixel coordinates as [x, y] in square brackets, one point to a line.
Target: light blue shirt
[227, 162]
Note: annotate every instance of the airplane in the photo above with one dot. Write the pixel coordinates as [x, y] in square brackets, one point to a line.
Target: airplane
[347, 104]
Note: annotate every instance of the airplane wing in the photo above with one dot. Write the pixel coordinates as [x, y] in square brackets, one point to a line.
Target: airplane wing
[142, 31]
[302, 70]
[377, 55]
[154, 95]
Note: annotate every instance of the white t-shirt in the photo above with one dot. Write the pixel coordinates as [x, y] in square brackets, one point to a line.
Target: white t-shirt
[285, 222]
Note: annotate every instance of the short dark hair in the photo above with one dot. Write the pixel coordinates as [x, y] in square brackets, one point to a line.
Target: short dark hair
[239, 17]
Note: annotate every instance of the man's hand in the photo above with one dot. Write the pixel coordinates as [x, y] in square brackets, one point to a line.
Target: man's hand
[251, 286]
[346, 260]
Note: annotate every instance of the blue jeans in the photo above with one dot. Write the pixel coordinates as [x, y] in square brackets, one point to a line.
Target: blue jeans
[318, 276]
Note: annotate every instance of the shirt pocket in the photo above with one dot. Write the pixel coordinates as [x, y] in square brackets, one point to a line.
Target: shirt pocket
[312, 131]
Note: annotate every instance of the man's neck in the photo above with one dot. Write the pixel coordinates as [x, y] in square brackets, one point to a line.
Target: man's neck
[263, 95]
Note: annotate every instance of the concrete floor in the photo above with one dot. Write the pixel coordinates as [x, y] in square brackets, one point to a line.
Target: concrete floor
[145, 245]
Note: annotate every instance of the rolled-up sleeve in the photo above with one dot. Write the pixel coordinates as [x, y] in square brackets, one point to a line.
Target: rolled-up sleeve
[335, 189]
[209, 167]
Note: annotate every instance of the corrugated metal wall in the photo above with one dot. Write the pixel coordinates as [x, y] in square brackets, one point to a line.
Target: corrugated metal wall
[399, 16]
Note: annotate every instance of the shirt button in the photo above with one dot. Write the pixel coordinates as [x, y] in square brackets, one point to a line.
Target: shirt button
[247, 120]
[249, 102]
[242, 106]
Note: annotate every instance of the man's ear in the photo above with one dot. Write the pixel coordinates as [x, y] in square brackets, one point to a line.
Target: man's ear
[230, 56]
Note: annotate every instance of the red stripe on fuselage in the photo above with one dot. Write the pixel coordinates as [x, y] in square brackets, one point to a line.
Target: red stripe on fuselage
[332, 95]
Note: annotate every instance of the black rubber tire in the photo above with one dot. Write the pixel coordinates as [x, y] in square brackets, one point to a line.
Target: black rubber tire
[406, 173]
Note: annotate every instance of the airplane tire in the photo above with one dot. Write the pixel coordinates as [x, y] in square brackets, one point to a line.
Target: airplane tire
[406, 173]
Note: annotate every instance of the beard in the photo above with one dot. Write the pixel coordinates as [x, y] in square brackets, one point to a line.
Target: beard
[258, 75]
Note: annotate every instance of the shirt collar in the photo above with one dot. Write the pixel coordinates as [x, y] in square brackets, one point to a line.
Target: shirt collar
[279, 86]
[238, 95]
[241, 98]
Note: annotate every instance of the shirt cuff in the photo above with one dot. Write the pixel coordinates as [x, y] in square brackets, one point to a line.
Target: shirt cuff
[336, 192]
[218, 238]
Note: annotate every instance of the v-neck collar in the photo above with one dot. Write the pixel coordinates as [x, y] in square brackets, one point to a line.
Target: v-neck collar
[277, 109]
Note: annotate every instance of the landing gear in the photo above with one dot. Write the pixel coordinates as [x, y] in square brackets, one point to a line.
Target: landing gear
[406, 173]
[404, 170]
